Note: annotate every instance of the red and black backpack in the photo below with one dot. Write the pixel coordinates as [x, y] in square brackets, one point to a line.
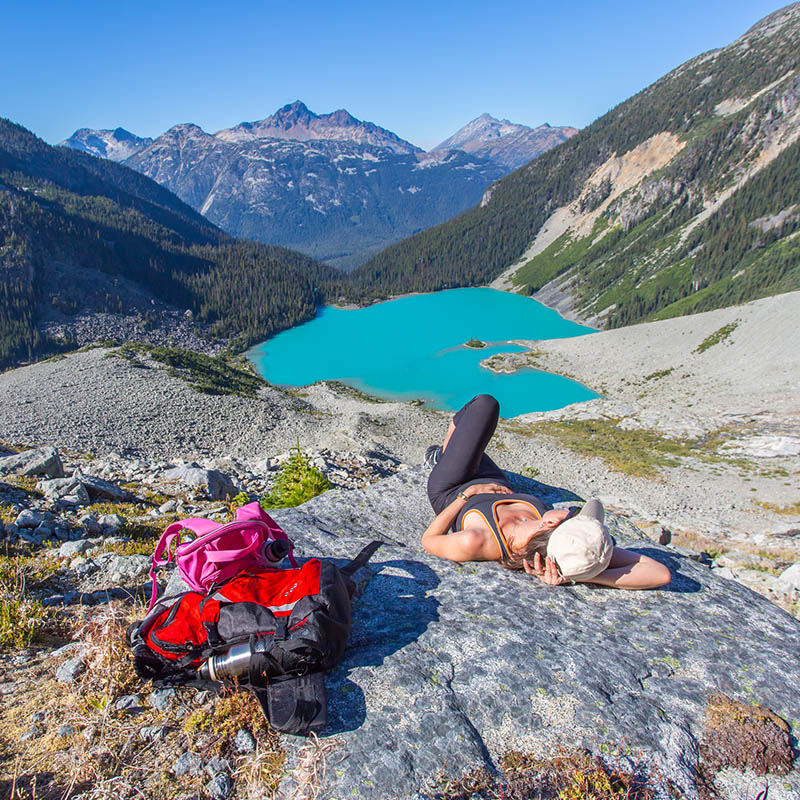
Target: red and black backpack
[275, 632]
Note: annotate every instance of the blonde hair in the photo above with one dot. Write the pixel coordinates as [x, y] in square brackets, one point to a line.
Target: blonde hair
[537, 544]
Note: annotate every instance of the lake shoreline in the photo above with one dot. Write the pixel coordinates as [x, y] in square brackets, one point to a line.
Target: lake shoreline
[418, 346]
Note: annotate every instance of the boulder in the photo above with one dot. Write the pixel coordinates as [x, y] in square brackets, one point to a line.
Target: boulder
[111, 523]
[450, 666]
[789, 579]
[39, 461]
[100, 489]
[763, 447]
[72, 549]
[215, 484]
[30, 518]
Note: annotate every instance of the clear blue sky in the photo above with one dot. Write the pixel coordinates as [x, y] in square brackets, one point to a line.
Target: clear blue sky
[421, 69]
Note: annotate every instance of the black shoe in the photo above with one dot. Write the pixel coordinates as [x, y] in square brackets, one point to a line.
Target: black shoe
[432, 455]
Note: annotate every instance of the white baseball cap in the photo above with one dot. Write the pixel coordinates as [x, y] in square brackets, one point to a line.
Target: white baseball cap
[581, 546]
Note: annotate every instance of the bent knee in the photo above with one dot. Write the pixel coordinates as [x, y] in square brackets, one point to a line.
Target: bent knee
[486, 403]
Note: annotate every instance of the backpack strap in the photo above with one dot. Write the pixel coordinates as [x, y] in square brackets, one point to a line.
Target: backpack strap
[296, 705]
[362, 558]
[172, 535]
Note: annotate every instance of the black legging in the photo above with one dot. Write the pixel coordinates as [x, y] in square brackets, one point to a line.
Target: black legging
[464, 462]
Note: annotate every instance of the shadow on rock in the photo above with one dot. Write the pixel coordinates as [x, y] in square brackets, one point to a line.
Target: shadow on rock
[549, 494]
[393, 611]
[680, 582]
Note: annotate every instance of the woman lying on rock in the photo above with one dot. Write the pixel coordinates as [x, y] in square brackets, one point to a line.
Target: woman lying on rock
[471, 497]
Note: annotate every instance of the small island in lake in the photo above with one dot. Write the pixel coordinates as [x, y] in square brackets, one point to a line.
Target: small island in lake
[475, 344]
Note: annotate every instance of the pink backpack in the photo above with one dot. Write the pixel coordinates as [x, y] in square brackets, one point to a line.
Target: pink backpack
[215, 552]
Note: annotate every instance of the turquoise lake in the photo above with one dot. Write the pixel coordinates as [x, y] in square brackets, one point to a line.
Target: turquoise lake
[413, 347]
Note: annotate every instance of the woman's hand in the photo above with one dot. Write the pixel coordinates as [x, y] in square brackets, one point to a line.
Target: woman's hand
[546, 572]
[486, 488]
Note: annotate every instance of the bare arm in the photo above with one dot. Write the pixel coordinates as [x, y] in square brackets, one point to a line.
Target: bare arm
[626, 570]
[466, 545]
[629, 570]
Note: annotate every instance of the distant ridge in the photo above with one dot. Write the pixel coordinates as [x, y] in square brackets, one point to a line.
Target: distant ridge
[294, 121]
[505, 142]
[92, 245]
[683, 198]
[116, 145]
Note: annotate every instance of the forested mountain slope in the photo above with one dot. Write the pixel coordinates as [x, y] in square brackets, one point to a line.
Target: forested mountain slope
[79, 233]
[685, 197]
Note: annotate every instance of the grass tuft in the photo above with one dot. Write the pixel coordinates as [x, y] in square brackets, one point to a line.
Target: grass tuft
[718, 336]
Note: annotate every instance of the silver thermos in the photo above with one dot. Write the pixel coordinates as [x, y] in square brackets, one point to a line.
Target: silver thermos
[232, 663]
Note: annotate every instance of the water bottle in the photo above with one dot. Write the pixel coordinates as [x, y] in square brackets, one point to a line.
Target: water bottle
[276, 550]
[232, 663]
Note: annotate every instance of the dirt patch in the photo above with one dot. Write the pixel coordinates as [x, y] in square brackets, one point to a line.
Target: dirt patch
[741, 737]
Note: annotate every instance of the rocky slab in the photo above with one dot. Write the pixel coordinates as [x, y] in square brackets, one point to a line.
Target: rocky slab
[449, 666]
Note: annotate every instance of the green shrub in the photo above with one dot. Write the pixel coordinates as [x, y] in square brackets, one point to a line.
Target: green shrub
[297, 482]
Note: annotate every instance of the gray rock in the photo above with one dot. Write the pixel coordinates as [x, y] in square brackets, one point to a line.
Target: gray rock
[32, 537]
[30, 519]
[451, 665]
[129, 703]
[90, 524]
[162, 699]
[38, 716]
[244, 742]
[82, 568]
[123, 569]
[217, 766]
[214, 483]
[39, 461]
[153, 733]
[724, 572]
[789, 579]
[66, 730]
[46, 529]
[71, 647]
[111, 523]
[71, 670]
[66, 534]
[658, 533]
[100, 489]
[77, 497]
[168, 507]
[34, 732]
[188, 764]
[72, 549]
[219, 787]
[57, 487]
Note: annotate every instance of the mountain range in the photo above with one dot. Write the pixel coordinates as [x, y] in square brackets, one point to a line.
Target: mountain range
[86, 237]
[683, 198]
[330, 185]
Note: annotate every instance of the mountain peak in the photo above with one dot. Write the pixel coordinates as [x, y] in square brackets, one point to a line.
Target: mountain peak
[297, 122]
[505, 142]
[116, 145]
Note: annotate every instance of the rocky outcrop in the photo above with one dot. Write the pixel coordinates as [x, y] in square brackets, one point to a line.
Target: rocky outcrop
[38, 461]
[451, 666]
